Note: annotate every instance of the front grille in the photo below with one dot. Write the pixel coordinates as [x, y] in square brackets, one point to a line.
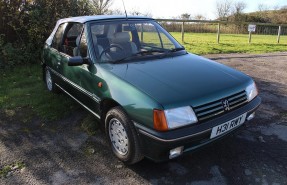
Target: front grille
[216, 108]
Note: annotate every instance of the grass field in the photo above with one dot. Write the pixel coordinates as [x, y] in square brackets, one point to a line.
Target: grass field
[206, 43]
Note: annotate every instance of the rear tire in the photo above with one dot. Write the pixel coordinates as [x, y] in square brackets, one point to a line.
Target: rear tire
[122, 136]
[50, 84]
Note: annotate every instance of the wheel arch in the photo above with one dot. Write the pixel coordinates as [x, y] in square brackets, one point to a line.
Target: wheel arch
[106, 105]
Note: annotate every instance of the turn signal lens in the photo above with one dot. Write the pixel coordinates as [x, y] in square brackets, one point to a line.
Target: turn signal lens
[159, 120]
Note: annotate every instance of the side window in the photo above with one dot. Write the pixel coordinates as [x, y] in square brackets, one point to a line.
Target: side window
[99, 35]
[75, 30]
[58, 37]
[71, 39]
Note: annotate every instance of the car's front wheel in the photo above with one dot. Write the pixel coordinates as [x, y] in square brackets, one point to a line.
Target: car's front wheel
[50, 84]
[122, 136]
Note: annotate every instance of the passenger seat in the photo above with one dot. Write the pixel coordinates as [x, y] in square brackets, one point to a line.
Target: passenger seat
[123, 39]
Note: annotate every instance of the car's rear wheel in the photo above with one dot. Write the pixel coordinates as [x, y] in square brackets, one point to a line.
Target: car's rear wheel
[50, 84]
[122, 136]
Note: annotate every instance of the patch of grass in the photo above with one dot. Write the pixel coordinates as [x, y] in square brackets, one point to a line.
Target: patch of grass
[23, 89]
[90, 125]
[10, 168]
[4, 171]
[206, 43]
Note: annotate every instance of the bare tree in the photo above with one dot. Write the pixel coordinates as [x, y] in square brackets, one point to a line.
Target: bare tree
[101, 6]
[139, 13]
[199, 17]
[238, 7]
[223, 8]
[115, 12]
[185, 16]
[135, 12]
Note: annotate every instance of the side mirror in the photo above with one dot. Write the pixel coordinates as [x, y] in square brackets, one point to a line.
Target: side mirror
[77, 61]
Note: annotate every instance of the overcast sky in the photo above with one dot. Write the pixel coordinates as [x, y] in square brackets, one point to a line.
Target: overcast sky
[173, 8]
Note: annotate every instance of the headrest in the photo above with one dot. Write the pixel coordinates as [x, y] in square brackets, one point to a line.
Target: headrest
[120, 37]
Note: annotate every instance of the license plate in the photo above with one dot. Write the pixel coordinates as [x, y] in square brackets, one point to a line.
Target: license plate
[229, 125]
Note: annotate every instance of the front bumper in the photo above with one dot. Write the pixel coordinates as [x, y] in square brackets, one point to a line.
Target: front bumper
[156, 145]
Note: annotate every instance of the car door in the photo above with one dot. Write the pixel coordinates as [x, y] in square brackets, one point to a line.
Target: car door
[52, 53]
[69, 47]
[73, 45]
[91, 81]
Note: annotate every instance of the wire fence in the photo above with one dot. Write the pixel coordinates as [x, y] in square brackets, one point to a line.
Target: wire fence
[221, 27]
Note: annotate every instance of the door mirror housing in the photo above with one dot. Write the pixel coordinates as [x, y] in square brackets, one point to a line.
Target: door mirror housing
[78, 61]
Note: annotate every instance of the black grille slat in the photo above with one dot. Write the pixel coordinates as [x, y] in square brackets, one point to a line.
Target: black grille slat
[216, 108]
[210, 111]
[236, 97]
[210, 108]
[210, 116]
[218, 103]
[237, 105]
[238, 101]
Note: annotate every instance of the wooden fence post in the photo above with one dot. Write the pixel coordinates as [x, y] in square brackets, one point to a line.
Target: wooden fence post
[279, 33]
[182, 32]
[218, 33]
[141, 32]
[249, 40]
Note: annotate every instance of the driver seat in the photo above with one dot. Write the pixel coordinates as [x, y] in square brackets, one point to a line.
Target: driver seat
[123, 40]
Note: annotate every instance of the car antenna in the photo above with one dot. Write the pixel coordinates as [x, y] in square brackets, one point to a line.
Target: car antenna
[125, 9]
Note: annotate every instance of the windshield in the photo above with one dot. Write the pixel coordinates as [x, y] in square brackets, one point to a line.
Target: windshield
[126, 40]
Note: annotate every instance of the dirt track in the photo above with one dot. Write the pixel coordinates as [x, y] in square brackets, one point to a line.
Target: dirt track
[61, 153]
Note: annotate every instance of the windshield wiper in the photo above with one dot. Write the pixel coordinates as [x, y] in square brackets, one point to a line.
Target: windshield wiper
[150, 51]
[176, 49]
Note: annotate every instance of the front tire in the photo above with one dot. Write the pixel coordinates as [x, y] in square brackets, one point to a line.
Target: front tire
[122, 136]
[50, 84]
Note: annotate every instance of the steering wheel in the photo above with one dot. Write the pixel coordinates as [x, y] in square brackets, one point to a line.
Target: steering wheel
[111, 46]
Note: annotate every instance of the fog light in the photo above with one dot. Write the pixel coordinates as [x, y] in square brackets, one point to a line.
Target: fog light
[175, 152]
[251, 116]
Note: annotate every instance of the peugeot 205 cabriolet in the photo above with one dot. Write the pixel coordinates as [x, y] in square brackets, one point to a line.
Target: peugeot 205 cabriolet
[153, 98]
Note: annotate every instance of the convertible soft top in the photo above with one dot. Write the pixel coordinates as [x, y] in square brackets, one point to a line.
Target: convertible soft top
[84, 19]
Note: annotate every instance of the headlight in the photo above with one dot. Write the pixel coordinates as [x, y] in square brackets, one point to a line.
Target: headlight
[173, 118]
[251, 91]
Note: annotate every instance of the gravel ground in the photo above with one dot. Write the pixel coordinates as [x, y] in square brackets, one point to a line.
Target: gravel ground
[61, 153]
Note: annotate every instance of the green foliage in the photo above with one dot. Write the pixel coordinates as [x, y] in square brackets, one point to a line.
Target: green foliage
[25, 26]
[12, 54]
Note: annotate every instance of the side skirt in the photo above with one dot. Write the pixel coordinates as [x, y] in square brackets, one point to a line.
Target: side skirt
[79, 101]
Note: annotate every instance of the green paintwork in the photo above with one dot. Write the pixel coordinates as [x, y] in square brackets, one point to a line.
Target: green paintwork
[182, 80]
[141, 86]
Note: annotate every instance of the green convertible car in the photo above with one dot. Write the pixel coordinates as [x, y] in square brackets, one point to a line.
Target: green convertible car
[153, 98]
